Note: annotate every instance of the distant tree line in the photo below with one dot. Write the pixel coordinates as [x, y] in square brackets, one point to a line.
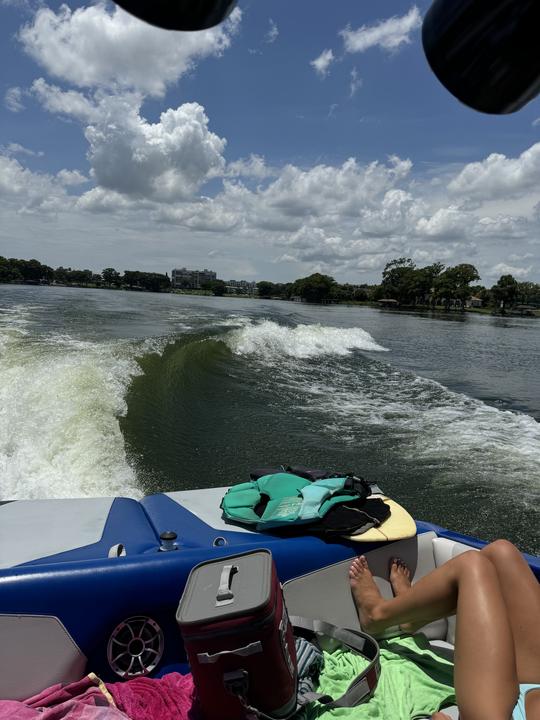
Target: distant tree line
[32, 272]
[402, 283]
[315, 288]
[451, 287]
[407, 285]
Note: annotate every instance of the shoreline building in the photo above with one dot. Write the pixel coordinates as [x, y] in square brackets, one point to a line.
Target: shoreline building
[192, 279]
[241, 287]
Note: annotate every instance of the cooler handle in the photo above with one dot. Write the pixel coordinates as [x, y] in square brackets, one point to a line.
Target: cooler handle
[225, 596]
[251, 649]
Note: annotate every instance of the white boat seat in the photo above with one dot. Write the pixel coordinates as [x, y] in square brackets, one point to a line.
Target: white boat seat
[325, 593]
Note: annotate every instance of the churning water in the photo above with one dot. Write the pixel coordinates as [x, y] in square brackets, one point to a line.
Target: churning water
[106, 393]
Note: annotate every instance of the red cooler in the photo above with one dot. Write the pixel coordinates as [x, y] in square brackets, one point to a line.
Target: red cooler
[238, 637]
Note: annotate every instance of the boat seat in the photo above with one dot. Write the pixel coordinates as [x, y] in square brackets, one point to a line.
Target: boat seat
[72, 529]
[326, 594]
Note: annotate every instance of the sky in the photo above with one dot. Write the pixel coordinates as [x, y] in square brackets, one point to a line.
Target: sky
[297, 137]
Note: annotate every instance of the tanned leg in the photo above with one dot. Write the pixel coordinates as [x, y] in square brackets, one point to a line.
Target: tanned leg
[521, 593]
[485, 671]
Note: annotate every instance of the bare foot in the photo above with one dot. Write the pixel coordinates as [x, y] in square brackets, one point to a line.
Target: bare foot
[400, 580]
[365, 593]
[400, 576]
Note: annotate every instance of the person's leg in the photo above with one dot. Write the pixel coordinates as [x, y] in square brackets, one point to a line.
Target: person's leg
[521, 594]
[485, 672]
[400, 581]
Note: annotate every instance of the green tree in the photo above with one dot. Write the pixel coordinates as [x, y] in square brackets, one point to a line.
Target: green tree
[284, 290]
[528, 293]
[111, 277]
[504, 292]
[85, 276]
[218, 287]
[8, 272]
[398, 280]
[315, 288]
[454, 284]
[342, 293]
[61, 275]
[32, 271]
[131, 278]
[154, 282]
[423, 281]
[265, 288]
[360, 294]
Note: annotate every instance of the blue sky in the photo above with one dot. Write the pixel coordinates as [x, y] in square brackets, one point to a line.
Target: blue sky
[297, 137]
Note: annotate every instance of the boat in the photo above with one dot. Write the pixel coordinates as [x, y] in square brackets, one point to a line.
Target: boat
[93, 584]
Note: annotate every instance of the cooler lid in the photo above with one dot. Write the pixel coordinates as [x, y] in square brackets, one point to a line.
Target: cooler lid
[218, 589]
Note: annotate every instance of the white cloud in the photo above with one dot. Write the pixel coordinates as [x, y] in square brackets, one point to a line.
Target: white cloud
[13, 99]
[500, 226]
[71, 178]
[355, 84]
[499, 176]
[29, 191]
[100, 200]
[388, 34]
[166, 161]
[323, 62]
[205, 216]
[273, 32]
[16, 149]
[536, 123]
[504, 269]
[449, 223]
[331, 191]
[96, 46]
[254, 167]
[327, 252]
[64, 102]
[395, 215]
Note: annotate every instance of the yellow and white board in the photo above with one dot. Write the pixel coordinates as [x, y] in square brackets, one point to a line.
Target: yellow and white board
[399, 526]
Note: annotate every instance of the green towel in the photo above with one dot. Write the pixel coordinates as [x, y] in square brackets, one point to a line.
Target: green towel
[414, 682]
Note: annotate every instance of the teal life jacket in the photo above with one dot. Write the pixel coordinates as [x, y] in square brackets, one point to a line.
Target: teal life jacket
[283, 499]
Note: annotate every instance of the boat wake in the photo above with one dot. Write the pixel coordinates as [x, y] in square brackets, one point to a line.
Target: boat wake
[60, 401]
[218, 392]
[273, 341]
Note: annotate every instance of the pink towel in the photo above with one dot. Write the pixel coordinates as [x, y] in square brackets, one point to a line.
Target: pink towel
[86, 699]
[168, 698]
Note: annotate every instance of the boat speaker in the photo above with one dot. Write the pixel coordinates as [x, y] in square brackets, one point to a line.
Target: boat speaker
[135, 647]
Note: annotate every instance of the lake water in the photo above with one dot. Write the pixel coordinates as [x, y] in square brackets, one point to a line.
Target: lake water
[105, 393]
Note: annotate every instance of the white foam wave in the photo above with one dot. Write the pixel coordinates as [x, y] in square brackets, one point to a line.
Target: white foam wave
[60, 403]
[454, 434]
[272, 341]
